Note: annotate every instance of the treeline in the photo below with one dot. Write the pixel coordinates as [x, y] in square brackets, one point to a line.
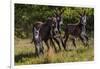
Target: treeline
[26, 15]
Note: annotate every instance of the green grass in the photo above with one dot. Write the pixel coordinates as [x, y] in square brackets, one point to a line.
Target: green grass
[24, 53]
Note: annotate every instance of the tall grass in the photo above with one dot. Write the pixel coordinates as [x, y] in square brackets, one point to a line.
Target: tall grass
[24, 53]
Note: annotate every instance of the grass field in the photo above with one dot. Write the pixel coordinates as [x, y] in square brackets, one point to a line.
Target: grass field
[24, 53]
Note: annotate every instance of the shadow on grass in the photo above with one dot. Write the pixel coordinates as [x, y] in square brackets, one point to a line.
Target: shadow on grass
[19, 57]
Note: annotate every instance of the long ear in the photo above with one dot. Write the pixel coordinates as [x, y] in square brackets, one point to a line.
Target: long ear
[39, 29]
[80, 14]
[55, 12]
[84, 13]
[35, 29]
[62, 11]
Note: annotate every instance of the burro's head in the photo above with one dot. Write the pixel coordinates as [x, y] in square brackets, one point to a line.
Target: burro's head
[83, 18]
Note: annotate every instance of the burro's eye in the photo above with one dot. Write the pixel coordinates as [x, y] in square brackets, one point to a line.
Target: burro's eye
[53, 24]
[36, 32]
[58, 18]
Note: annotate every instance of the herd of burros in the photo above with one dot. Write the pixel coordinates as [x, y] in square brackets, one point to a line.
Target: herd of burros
[50, 30]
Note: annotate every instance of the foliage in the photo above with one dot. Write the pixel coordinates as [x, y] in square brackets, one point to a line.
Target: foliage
[26, 15]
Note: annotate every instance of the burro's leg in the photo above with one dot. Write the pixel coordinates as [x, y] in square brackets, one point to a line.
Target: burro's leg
[41, 48]
[62, 42]
[53, 44]
[87, 40]
[57, 40]
[84, 39]
[36, 49]
[73, 41]
[47, 44]
[66, 36]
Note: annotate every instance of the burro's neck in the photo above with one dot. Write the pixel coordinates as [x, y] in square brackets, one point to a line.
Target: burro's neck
[83, 28]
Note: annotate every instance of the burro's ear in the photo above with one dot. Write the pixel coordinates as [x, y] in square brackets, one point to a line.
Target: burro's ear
[39, 29]
[80, 14]
[55, 12]
[35, 29]
[84, 13]
[62, 11]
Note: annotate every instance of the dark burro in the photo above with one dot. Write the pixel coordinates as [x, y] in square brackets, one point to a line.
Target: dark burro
[77, 30]
[51, 30]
